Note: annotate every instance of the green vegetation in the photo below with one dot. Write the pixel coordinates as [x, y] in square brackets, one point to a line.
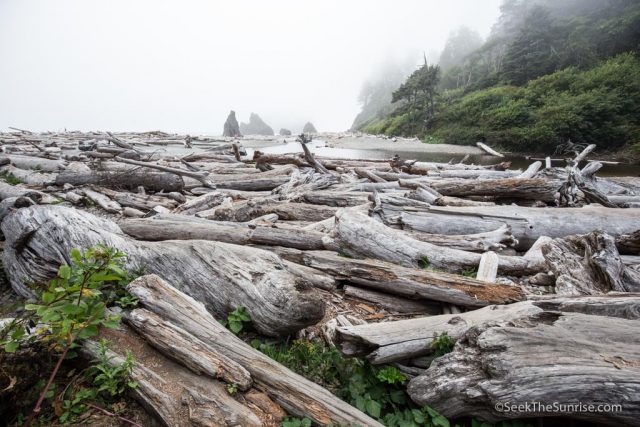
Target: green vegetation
[237, 320]
[9, 178]
[442, 344]
[71, 309]
[551, 71]
[377, 391]
[296, 422]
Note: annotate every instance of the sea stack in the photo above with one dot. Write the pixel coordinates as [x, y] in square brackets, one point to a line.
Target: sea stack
[231, 127]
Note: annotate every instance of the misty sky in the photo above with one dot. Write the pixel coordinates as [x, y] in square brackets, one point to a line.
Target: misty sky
[180, 66]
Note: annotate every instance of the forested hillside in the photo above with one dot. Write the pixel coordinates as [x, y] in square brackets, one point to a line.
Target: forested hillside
[551, 71]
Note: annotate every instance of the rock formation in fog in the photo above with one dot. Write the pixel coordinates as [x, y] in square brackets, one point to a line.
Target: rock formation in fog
[256, 126]
[309, 128]
[285, 132]
[231, 127]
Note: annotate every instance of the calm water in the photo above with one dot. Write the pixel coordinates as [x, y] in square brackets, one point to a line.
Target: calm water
[517, 162]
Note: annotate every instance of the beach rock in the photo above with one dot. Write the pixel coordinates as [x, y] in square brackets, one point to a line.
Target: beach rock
[284, 132]
[231, 127]
[256, 126]
[309, 128]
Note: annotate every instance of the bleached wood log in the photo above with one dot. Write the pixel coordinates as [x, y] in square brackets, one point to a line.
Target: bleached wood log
[202, 177]
[132, 212]
[539, 357]
[488, 149]
[488, 268]
[128, 179]
[527, 224]
[406, 339]
[178, 344]
[36, 163]
[151, 229]
[412, 282]
[359, 235]
[102, 200]
[625, 305]
[247, 210]
[137, 201]
[497, 240]
[370, 175]
[30, 177]
[7, 191]
[332, 198]
[180, 398]
[517, 188]
[531, 171]
[203, 202]
[221, 275]
[294, 393]
[391, 303]
[589, 264]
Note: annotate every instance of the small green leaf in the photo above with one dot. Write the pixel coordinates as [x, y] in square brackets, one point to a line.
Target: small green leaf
[64, 271]
[11, 346]
[373, 408]
[235, 326]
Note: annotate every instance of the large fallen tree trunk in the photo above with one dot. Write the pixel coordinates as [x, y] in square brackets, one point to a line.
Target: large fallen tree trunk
[221, 275]
[411, 282]
[387, 342]
[554, 363]
[296, 394]
[129, 179]
[527, 224]
[28, 176]
[250, 209]
[589, 264]
[360, 235]
[406, 339]
[151, 229]
[508, 188]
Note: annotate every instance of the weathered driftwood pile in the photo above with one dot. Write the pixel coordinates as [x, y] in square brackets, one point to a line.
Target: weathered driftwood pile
[535, 273]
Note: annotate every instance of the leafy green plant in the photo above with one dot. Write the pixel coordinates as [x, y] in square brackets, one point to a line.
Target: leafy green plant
[472, 272]
[72, 308]
[296, 422]
[111, 378]
[376, 391]
[442, 344]
[424, 262]
[237, 320]
[9, 178]
[232, 389]
[391, 375]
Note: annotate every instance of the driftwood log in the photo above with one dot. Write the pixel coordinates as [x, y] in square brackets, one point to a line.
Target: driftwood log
[589, 264]
[412, 282]
[542, 356]
[151, 229]
[294, 393]
[123, 179]
[221, 275]
[527, 224]
[360, 235]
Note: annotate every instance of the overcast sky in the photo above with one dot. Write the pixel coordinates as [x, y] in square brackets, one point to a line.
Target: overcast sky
[180, 66]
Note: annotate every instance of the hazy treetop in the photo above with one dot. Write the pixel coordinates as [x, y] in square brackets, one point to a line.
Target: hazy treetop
[182, 65]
